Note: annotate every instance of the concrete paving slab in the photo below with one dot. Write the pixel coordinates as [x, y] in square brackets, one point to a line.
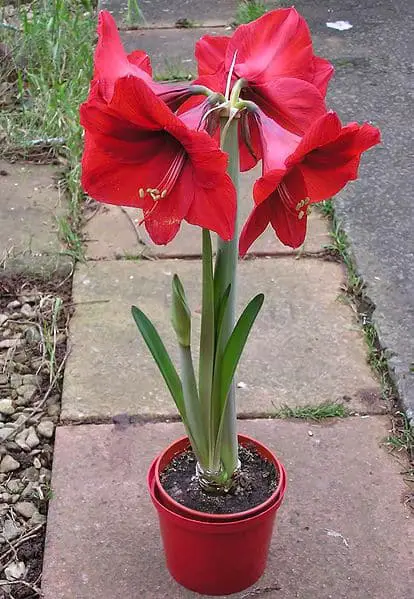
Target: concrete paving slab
[305, 347]
[342, 532]
[111, 233]
[171, 50]
[29, 208]
[166, 13]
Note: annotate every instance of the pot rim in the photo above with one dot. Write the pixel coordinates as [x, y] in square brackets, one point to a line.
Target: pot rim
[225, 526]
[174, 506]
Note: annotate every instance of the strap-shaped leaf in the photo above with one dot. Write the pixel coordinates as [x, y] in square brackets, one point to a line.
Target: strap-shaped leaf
[235, 345]
[161, 357]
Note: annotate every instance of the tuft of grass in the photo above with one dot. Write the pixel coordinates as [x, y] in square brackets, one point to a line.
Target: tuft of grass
[249, 10]
[48, 71]
[135, 16]
[173, 71]
[401, 440]
[327, 208]
[319, 412]
[72, 239]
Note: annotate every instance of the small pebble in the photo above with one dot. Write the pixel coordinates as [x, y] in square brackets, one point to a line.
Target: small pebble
[5, 497]
[32, 439]
[6, 407]
[11, 530]
[310, 433]
[15, 486]
[4, 379]
[16, 380]
[5, 433]
[14, 304]
[37, 518]
[46, 429]
[15, 571]
[9, 464]
[27, 311]
[30, 474]
[20, 440]
[25, 509]
[37, 463]
[30, 379]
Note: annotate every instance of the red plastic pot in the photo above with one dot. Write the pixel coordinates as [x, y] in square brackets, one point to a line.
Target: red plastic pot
[216, 557]
[183, 444]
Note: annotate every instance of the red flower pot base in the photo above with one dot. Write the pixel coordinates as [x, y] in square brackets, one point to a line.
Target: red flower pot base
[216, 556]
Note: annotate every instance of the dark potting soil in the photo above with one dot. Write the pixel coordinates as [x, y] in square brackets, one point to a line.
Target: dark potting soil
[257, 481]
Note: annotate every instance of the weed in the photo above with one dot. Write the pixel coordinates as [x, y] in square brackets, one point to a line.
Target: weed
[173, 71]
[250, 10]
[327, 208]
[135, 15]
[49, 71]
[318, 412]
[71, 237]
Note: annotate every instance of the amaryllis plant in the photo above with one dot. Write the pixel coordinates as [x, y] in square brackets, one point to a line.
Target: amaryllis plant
[175, 152]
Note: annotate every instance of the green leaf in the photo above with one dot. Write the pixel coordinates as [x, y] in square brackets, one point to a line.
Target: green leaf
[161, 357]
[180, 313]
[235, 346]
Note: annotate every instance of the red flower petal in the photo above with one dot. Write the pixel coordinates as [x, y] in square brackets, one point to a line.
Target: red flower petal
[255, 225]
[213, 201]
[277, 44]
[210, 52]
[136, 148]
[288, 227]
[293, 103]
[266, 185]
[324, 71]
[321, 132]
[140, 59]
[328, 168]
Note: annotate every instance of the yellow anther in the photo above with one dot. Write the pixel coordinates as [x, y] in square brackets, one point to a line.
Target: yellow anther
[301, 215]
[164, 193]
[308, 210]
[141, 193]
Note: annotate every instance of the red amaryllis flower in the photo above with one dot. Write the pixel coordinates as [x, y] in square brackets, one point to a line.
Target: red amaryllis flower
[274, 57]
[139, 153]
[111, 62]
[325, 159]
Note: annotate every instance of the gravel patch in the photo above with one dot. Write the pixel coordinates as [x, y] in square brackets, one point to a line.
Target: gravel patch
[33, 325]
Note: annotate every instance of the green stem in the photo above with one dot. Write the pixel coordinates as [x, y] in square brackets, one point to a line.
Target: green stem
[207, 340]
[226, 261]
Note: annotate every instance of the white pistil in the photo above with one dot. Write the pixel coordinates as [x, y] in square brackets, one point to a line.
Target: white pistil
[229, 76]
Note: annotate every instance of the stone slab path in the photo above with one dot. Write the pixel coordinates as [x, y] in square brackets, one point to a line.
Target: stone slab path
[344, 531]
[310, 333]
[30, 207]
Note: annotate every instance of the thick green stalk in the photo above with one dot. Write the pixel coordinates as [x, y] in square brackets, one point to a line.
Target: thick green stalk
[206, 361]
[227, 256]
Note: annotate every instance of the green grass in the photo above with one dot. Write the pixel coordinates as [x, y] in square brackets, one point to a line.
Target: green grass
[319, 412]
[327, 208]
[173, 71]
[249, 10]
[49, 73]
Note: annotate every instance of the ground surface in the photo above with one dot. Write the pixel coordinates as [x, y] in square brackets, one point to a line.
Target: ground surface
[346, 528]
